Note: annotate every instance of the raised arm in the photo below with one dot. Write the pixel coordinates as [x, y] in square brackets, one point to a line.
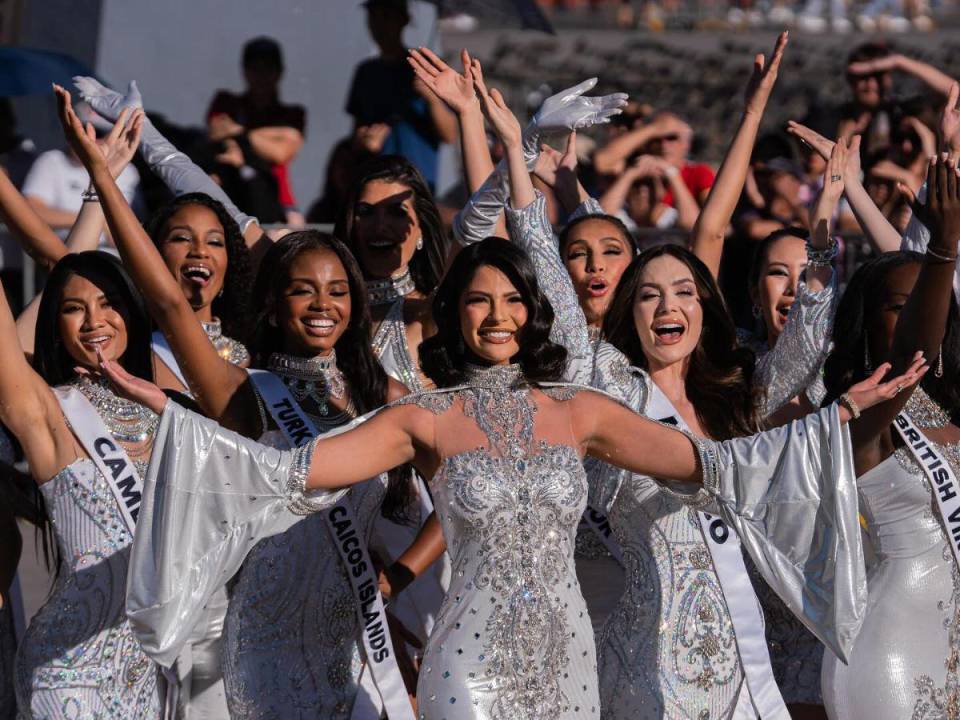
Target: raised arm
[174, 168]
[923, 319]
[818, 272]
[711, 226]
[214, 381]
[934, 79]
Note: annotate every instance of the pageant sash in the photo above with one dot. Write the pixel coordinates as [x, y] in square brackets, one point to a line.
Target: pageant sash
[940, 476]
[348, 538]
[161, 349]
[598, 524]
[107, 454]
[748, 626]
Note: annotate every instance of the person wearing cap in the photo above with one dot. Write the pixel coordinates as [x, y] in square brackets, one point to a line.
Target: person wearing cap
[256, 129]
[385, 90]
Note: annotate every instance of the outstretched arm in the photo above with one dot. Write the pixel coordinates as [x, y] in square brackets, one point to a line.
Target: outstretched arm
[935, 79]
[711, 226]
[214, 381]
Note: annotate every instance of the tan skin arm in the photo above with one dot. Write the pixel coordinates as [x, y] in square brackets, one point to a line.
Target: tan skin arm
[213, 380]
[711, 225]
[36, 237]
[53, 217]
[277, 145]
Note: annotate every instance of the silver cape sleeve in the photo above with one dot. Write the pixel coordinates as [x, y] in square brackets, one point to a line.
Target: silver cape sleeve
[209, 496]
[796, 359]
[531, 231]
[791, 495]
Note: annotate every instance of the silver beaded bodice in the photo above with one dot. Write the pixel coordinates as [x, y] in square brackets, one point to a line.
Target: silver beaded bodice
[291, 634]
[79, 657]
[513, 639]
[391, 348]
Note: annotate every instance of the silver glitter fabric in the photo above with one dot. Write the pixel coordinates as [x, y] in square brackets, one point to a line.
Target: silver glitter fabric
[233, 351]
[390, 347]
[79, 657]
[513, 640]
[906, 659]
[291, 635]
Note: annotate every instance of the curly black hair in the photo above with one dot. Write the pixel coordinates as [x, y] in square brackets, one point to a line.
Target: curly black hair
[232, 305]
[426, 266]
[50, 359]
[365, 376]
[719, 378]
[444, 356]
[847, 362]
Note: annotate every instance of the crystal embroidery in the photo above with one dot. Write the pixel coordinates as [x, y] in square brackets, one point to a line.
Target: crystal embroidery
[233, 351]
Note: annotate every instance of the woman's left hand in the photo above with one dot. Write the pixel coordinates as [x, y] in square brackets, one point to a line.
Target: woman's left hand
[874, 390]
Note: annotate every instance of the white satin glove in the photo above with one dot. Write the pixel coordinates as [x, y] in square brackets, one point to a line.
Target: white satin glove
[178, 172]
[564, 112]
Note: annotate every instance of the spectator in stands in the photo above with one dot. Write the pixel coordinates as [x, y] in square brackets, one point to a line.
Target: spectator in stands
[780, 184]
[255, 127]
[638, 196]
[385, 90]
[667, 137]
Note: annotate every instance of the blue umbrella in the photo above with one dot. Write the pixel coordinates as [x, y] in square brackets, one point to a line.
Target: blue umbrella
[26, 71]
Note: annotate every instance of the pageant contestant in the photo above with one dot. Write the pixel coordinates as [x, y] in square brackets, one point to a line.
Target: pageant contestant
[393, 227]
[88, 450]
[905, 662]
[292, 633]
[502, 447]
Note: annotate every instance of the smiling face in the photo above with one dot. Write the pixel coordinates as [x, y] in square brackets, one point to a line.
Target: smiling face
[596, 254]
[194, 248]
[385, 229]
[90, 321]
[314, 307]
[667, 313]
[780, 272]
[492, 312]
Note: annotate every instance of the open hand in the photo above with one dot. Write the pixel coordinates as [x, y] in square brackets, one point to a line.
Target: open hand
[132, 387]
[552, 163]
[570, 110]
[120, 144]
[874, 390]
[82, 140]
[106, 102]
[835, 172]
[764, 77]
[495, 109]
[454, 88]
[950, 123]
[941, 212]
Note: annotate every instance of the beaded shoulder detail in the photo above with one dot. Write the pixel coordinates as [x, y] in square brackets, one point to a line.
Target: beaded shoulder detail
[560, 393]
[436, 401]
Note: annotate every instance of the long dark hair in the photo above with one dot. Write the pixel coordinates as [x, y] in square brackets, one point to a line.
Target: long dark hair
[719, 378]
[355, 359]
[444, 356]
[50, 358]
[847, 362]
[232, 305]
[426, 266]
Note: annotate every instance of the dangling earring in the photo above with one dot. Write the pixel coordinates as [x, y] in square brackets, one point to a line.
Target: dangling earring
[756, 311]
[938, 372]
[420, 243]
[220, 294]
[866, 354]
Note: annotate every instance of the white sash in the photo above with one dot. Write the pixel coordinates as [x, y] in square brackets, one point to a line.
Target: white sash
[350, 543]
[940, 476]
[745, 615]
[105, 452]
[161, 349]
[598, 524]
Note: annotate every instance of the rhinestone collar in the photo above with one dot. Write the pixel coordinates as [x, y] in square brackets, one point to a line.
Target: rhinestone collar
[213, 329]
[494, 377]
[925, 411]
[127, 421]
[317, 378]
[384, 292]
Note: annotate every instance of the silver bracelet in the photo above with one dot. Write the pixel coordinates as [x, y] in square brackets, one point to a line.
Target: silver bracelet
[850, 405]
[821, 258]
[938, 256]
[90, 195]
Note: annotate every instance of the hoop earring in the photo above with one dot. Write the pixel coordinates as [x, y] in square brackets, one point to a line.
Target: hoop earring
[938, 372]
[755, 310]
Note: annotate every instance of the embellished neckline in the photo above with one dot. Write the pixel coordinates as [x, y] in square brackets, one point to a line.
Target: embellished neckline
[229, 349]
[385, 292]
[494, 377]
[925, 411]
[317, 378]
[213, 329]
[127, 421]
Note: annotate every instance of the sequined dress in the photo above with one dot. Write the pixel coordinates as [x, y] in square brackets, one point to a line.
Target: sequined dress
[291, 634]
[78, 657]
[668, 648]
[906, 660]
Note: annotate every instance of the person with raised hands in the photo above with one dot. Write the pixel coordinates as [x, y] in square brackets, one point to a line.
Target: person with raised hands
[312, 307]
[906, 453]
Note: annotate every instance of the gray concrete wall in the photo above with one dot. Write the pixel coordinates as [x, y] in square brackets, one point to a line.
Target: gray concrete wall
[181, 51]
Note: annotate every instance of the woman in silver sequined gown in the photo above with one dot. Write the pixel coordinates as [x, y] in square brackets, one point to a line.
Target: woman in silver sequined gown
[504, 458]
[78, 657]
[291, 643]
[906, 661]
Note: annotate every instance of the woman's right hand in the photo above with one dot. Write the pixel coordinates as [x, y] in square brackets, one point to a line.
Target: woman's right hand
[455, 89]
[498, 114]
[82, 140]
[132, 387]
